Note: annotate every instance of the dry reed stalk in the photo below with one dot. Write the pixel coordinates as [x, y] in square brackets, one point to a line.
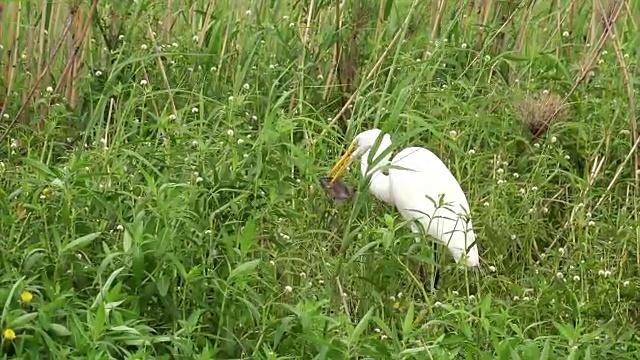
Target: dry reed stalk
[11, 49]
[42, 37]
[472, 11]
[225, 42]
[480, 54]
[162, 71]
[72, 59]
[506, 12]
[558, 27]
[348, 65]
[375, 67]
[573, 12]
[589, 59]
[305, 45]
[55, 30]
[336, 50]
[522, 34]
[609, 27]
[32, 92]
[633, 150]
[28, 50]
[437, 10]
[307, 28]
[112, 110]
[207, 22]
[472, 6]
[63, 84]
[41, 56]
[485, 12]
[380, 18]
[193, 18]
[593, 23]
[80, 32]
[551, 36]
[631, 18]
[2, 89]
[167, 23]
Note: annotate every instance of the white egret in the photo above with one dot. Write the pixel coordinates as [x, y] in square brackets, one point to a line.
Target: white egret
[421, 187]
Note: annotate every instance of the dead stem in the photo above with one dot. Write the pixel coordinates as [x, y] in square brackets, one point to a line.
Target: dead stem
[32, 92]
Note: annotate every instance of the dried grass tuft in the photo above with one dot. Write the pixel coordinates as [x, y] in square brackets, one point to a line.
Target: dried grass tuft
[538, 113]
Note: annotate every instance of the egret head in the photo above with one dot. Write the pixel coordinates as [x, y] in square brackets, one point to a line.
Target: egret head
[362, 143]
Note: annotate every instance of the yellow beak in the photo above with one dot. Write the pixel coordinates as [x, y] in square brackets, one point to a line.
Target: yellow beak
[339, 168]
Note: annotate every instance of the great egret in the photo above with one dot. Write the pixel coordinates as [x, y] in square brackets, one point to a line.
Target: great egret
[421, 187]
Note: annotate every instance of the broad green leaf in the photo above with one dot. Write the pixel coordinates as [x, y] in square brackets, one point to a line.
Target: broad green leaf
[79, 242]
[59, 330]
[126, 241]
[407, 324]
[7, 304]
[545, 351]
[243, 269]
[247, 238]
[33, 258]
[105, 288]
[22, 320]
[163, 285]
[362, 325]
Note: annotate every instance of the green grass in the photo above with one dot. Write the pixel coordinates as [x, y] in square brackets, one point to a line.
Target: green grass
[204, 233]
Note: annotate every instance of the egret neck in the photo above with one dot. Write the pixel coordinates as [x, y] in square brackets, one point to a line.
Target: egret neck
[379, 184]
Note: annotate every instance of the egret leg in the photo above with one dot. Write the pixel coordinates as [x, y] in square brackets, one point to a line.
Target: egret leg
[421, 269]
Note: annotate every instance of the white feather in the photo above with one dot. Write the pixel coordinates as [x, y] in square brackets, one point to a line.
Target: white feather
[422, 188]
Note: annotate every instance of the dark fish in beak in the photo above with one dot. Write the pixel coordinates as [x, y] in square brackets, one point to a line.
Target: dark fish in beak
[338, 190]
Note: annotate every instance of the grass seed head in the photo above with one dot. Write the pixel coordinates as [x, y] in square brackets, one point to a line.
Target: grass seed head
[538, 113]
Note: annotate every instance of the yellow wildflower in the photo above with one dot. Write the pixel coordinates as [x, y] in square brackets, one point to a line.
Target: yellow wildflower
[26, 297]
[9, 334]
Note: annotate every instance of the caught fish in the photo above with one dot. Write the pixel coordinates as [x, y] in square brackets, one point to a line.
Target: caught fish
[338, 191]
